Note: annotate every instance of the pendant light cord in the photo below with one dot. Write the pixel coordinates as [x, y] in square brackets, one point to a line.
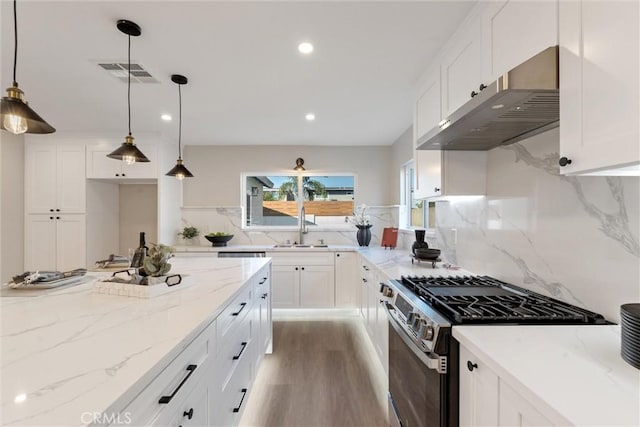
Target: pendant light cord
[179, 122]
[15, 37]
[128, 83]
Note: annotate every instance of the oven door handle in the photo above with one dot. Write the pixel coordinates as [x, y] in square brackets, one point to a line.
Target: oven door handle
[431, 361]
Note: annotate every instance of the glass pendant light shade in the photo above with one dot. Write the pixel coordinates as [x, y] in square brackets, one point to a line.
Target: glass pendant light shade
[128, 152]
[179, 170]
[15, 114]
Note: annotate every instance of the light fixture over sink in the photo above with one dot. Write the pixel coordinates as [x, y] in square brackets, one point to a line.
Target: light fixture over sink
[15, 114]
[179, 170]
[128, 152]
[299, 164]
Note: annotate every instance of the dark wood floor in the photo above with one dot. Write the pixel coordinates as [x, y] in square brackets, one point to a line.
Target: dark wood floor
[321, 373]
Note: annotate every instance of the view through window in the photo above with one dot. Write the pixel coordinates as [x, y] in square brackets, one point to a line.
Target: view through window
[276, 200]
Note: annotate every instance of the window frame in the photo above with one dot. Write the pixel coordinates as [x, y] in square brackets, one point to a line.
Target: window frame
[300, 200]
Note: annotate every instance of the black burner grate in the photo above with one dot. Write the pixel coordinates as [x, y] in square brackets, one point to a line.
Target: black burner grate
[483, 299]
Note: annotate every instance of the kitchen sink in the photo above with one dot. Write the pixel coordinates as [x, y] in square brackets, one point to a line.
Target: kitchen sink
[284, 245]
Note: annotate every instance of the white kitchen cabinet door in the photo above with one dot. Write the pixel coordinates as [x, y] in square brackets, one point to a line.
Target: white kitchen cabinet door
[478, 392]
[55, 242]
[71, 242]
[382, 334]
[317, 286]
[347, 290]
[451, 173]
[285, 286]
[514, 31]
[428, 108]
[516, 411]
[55, 178]
[40, 243]
[599, 86]
[364, 299]
[461, 67]
[99, 166]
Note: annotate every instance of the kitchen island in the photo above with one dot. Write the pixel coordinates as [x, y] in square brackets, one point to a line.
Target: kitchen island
[72, 356]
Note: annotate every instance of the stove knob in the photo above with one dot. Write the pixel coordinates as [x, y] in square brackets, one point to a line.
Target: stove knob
[415, 325]
[426, 331]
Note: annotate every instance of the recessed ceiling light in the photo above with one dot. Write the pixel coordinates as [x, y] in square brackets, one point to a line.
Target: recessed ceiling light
[166, 117]
[305, 48]
[20, 398]
[310, 117]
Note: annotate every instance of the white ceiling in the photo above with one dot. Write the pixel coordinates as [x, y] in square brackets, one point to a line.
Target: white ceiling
[247, 82]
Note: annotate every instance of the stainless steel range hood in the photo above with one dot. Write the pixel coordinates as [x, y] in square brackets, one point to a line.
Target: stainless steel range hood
[520, 104]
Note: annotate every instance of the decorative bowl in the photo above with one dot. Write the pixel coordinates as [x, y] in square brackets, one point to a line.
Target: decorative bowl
[217, 241]
[427, 253]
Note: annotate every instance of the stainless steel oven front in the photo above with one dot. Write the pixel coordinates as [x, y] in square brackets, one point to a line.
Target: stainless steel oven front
[423, 366]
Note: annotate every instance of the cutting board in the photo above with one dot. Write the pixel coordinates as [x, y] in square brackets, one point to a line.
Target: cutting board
[389, 238]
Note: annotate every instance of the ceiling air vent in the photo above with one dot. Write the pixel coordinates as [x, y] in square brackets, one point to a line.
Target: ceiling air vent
[119, 71]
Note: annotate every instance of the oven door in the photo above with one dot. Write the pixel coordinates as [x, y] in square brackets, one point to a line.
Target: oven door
[417, 392]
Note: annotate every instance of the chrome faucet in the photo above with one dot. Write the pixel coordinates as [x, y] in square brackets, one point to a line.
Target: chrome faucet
[303, 226]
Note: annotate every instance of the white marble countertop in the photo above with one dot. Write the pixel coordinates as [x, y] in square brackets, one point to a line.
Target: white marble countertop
[74, 351]
[574, 372]
[262, 248]
[394, 263]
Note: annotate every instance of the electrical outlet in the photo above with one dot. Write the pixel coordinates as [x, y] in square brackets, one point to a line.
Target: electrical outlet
[454, 236]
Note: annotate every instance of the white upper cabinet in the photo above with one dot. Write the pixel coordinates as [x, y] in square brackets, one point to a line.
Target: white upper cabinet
[461, 67]
[514, 31]
[427, 107]
[450, 173]
[99, 166]
[55, 178]
[599, 90]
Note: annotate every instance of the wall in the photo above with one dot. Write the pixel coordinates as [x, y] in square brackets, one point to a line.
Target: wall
[217, 170]
[11, 205]
[573, 238]
[103, 207]
[138, 212]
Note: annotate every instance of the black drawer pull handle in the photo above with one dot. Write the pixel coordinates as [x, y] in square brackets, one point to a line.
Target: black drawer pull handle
[244, 393]
[264, 279]
[364, 280]
[365, 267]
[471, 366]
[188, 414]
[237, 356]
[242, 306]
[264, 296]
[167, 399]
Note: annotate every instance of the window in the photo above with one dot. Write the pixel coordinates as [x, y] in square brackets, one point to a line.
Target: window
[417, 213]
[275, 200]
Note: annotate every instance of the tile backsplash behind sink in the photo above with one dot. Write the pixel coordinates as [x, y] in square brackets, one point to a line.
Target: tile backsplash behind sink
[229, 220]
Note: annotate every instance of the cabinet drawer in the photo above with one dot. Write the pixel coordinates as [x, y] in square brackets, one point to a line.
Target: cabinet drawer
[174, 382]
[297, 258]
[235, 312]
[193, 410]
[228, 409]
[234, 349]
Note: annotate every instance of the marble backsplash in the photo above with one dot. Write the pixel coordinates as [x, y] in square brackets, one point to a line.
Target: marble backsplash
[229, 220]
[572, 238]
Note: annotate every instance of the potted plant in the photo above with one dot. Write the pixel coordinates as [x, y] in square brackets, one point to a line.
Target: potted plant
[188, 233]
[156, 263]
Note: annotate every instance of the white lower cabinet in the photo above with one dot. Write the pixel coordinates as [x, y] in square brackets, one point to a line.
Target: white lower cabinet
[488, 400]
[478, 392]
[303, 280]
[208, 383]
[55, 242]
[372, 312]
[346, 280]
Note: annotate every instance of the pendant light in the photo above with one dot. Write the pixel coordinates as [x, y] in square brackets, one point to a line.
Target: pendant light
[179, 170]
[128, 152]
[15, 114]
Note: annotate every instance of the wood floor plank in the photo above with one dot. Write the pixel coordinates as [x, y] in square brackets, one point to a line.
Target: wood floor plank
[319, 375]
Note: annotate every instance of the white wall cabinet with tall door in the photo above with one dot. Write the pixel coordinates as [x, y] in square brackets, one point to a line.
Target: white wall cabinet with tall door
[55, 206]
[346, 281]
[514, 31]
[99, 166]
[303, 280]
[599, 87]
